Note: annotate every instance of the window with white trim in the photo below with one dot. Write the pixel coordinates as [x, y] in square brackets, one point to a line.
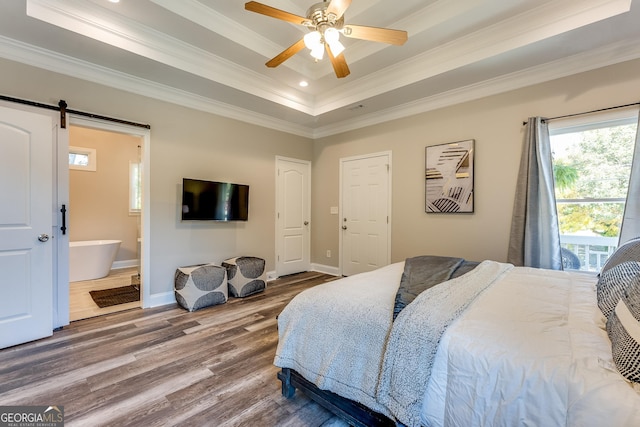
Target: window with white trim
[81, 158]
[592, 159]
[135, 187]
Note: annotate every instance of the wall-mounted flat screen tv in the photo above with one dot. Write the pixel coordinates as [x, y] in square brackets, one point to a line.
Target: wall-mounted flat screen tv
[214, 201]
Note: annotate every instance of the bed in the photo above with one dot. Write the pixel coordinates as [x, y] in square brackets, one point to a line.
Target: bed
[491, 344]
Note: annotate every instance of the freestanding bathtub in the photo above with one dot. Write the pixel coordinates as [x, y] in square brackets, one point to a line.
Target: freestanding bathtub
[91, 259]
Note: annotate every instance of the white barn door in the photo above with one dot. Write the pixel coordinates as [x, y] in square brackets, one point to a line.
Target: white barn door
[293, 205]
[26, 246]
[365, 213]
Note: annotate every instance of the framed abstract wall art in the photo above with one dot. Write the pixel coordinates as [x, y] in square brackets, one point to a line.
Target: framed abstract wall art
[449, 177]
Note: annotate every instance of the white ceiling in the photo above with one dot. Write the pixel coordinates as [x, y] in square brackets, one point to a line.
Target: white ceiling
[210, 54]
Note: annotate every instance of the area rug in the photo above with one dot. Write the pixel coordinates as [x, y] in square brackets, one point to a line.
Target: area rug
[115, 296]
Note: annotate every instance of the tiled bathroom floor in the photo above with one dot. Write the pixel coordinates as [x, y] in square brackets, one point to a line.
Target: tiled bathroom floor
[81, 306]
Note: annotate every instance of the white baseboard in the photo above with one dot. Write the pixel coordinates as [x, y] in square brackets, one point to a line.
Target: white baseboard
[156, 300]
[165, 298]
[334, 271]
[126, 263]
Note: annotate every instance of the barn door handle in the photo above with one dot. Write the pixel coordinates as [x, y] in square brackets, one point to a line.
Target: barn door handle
[64, 219]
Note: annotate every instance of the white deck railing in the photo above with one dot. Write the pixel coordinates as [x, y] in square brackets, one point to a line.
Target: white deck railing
[592, 251]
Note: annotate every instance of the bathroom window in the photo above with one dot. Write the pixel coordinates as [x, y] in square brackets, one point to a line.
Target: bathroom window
[135, 187]
[81, 158]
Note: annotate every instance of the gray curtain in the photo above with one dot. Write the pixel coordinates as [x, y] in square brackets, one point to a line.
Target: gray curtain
[535, 234]
[631, 220]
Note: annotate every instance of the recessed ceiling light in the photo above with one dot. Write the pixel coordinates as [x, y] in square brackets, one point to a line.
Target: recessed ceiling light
[304, 83]
[114, 1]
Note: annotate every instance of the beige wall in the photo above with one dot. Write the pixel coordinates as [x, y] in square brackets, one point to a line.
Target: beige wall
[99, 200]
[496, 125]
[184, 142]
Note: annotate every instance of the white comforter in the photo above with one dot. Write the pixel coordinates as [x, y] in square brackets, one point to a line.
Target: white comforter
[530, 351]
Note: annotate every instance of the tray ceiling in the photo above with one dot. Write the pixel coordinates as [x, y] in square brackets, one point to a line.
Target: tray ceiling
[210, 54]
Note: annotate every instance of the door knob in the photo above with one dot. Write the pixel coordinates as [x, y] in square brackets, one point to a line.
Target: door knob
[43, 237]
[306, 223]
[344, 227]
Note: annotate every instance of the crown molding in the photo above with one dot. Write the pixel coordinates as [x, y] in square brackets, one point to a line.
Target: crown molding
[420, 21]
[215, 22]
[55, 62]
[218, 23]
[87, 19]
[547, 20]
[615, 53]
[34, 56]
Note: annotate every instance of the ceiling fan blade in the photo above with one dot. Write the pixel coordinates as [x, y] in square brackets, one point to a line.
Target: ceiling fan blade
[286, 54]
[340, 66]
[337, 7]
[375, 34]
[254, 6]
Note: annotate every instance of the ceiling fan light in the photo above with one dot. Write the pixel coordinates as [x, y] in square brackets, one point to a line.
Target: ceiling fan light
[336, 48]
[312, 40]
[331, 35]
[318, 51]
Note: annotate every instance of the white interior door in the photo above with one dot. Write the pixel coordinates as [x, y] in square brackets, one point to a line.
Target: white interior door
[365, 213]
[293, 247]
[26, 270]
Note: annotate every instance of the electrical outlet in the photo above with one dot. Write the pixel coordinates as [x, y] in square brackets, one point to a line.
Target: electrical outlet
[328, 253]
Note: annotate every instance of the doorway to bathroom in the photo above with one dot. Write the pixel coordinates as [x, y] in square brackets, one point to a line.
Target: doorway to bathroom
[105, 218]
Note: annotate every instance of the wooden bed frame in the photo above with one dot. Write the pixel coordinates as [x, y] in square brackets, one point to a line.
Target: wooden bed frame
[354, 413]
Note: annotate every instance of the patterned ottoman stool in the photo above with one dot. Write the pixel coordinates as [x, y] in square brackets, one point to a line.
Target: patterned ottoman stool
[199, 286]
[245, 275]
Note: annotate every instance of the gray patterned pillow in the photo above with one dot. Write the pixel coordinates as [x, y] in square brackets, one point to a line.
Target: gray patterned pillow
[623, 327]
[613, 283]
[628, 251]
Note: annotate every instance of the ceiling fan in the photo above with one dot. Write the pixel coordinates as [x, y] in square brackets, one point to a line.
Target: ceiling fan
[326, 22]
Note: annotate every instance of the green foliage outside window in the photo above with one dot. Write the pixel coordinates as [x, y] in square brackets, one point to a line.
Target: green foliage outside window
[596, 166]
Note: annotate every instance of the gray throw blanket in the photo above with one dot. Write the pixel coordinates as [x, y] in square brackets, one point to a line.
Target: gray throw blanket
[335, 334]
[415, 336]
[422, 272]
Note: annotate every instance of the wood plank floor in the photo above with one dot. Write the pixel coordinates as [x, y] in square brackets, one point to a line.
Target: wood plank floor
[166, 367]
